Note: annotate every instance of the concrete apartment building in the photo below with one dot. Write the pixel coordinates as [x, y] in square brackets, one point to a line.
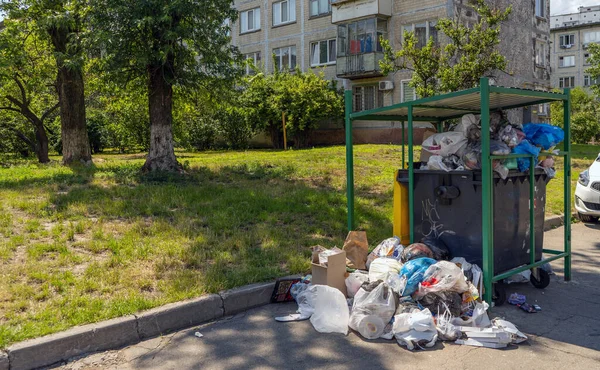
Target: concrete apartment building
[571, 34]
[341, 37]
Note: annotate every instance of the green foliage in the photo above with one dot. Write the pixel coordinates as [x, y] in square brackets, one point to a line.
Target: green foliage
[585, 116]
[594, 61]
[469, 54]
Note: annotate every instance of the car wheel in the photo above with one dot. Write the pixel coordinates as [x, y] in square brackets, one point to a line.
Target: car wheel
[586, 218]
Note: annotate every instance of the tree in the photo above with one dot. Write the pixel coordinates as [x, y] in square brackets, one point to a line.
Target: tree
[594, 70]
[470, 53]
[183, 43]
[27, 87]
[60, 24]
[585, 116]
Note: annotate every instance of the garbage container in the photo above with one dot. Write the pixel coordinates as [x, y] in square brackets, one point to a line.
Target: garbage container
[449, 204]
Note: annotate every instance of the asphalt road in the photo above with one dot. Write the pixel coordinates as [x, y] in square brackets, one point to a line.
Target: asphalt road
[565, 334]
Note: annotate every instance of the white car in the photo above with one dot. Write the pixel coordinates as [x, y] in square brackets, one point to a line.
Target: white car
[587, 194]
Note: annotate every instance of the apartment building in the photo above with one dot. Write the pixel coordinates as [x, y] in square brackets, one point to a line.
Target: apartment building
[571, 34]
[342, 38]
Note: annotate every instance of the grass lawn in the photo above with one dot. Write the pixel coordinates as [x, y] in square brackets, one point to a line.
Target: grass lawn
[79, 245]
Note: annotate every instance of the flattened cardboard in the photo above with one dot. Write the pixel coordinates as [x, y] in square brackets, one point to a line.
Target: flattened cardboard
[333, 275]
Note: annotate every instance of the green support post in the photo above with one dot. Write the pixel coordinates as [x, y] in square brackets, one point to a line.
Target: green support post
[487, 233]
[532, 210]
[439, 127]
[349, 160]
[411, 177]
[403, 156]
[567, 177]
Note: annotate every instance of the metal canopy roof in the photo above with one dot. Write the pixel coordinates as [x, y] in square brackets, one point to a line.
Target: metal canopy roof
[454, 105]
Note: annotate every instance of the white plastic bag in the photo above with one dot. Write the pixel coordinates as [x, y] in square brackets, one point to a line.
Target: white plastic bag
[372, 311]
[354, 281]
[379, 268]
[443, 276]
[446, 143]
[416, 328]
[323, 256]
[331, 313]
[479, 319]
[306, 299]
[390, 247]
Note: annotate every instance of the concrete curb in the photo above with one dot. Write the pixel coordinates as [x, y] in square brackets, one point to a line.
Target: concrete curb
[557, 221]
[131, 329]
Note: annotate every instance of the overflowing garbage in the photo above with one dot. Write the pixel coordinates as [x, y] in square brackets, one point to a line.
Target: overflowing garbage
[460, 148]
[416, 295]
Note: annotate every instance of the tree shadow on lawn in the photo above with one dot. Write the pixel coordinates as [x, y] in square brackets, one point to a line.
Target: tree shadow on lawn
[225, 227]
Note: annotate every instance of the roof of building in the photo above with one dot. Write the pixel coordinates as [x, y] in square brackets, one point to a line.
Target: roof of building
[581, 25]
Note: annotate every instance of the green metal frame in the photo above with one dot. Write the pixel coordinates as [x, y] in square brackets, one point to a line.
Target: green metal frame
[486, 168]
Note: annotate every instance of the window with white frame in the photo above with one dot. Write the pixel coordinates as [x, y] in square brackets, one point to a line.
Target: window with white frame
[593, 36]
[323, 52]
[284, 12]
[285, 58]
[566, 61]
[543, 109]
[540, 54]
[566, 82]
[253, 61]
[407, 92]
[319, 7]
[589, 81]
[540, 8]
[250, 20]
[566, 41]
[423, 32]
[366, 97]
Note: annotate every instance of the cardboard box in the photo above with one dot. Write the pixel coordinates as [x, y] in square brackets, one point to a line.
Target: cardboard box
[333, 275]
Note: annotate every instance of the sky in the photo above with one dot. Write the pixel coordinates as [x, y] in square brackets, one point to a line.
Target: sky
[569, 6]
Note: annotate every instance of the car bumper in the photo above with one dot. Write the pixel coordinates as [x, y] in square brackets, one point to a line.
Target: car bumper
[587, 201]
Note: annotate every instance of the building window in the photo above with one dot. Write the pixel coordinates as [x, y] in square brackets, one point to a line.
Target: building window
[361, 37]
[254, 58]
[319, 7]
[285, 58]
[250, 20]
[543, 109]
[540, 54]
[566, 61]
[567, 41]
[407, 92]
[540, 8]
[366, 97]
[322, 52]
[284, 12]
[566, 82]
[586, 58]
[589, 81]
[593, 36]
[423, 32]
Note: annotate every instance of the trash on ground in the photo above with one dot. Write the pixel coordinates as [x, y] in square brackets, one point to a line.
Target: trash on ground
[281, 292]
[356, 247]
[516, 299]
[292, 317]
[372, 310]
[331, 314]
[527, 307]
[333, 274]
[198, 334]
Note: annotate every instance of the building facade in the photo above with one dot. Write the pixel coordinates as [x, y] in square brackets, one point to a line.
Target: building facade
[571, 34]
[341, 38]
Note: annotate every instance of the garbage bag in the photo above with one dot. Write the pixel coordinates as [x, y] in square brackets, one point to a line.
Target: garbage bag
[450, 163]
[305, 295]
[472, 156]
[407, 305]
[443, 276]
[415, 329]
[390, 247]
[543, 134]
[498, 148]
[440, 302]
[479, 318]
[416, 250]
[412, 274]
[379, 268]
[509, 136]
[331, 313]
[372, 311]
[445, 143]
[446, 330]
[357, 249]
[501, 169]
[438, 248]
[466, 122]
[525, 148]
[354, 281]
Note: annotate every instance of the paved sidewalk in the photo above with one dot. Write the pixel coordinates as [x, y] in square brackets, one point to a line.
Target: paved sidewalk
[566, 334]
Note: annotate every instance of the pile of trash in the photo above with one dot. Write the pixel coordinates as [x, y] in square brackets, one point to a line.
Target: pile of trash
[416, 295]
[460, 148]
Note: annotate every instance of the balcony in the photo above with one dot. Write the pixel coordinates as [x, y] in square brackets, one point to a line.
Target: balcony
[359, 66]
[345, 10]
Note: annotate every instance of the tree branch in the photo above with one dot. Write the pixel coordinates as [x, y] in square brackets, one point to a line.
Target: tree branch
[49, 112]
[17, 79]
[21, 136]
[11, 109]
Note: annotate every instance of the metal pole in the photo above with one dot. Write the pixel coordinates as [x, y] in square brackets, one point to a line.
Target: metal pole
[349, 160]
[284, 134]
[532, 209]
[567, 176]
[403, 156]
[411, 177]
[487, 233]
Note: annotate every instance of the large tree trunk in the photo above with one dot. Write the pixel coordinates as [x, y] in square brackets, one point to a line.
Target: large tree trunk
[161, 155]
[41, 148]
[75, 142]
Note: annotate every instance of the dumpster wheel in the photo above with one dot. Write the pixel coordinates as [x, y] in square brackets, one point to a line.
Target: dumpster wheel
[544, 280]
[499, 294]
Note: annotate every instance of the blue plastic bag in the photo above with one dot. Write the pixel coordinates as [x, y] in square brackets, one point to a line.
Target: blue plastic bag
[525, 147]
[413, 272]
[543, 134]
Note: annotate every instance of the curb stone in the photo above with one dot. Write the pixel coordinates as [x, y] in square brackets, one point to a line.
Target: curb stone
[174, 316]
[3, 361]
[241, 299]
[557, 221]
[61, 346]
